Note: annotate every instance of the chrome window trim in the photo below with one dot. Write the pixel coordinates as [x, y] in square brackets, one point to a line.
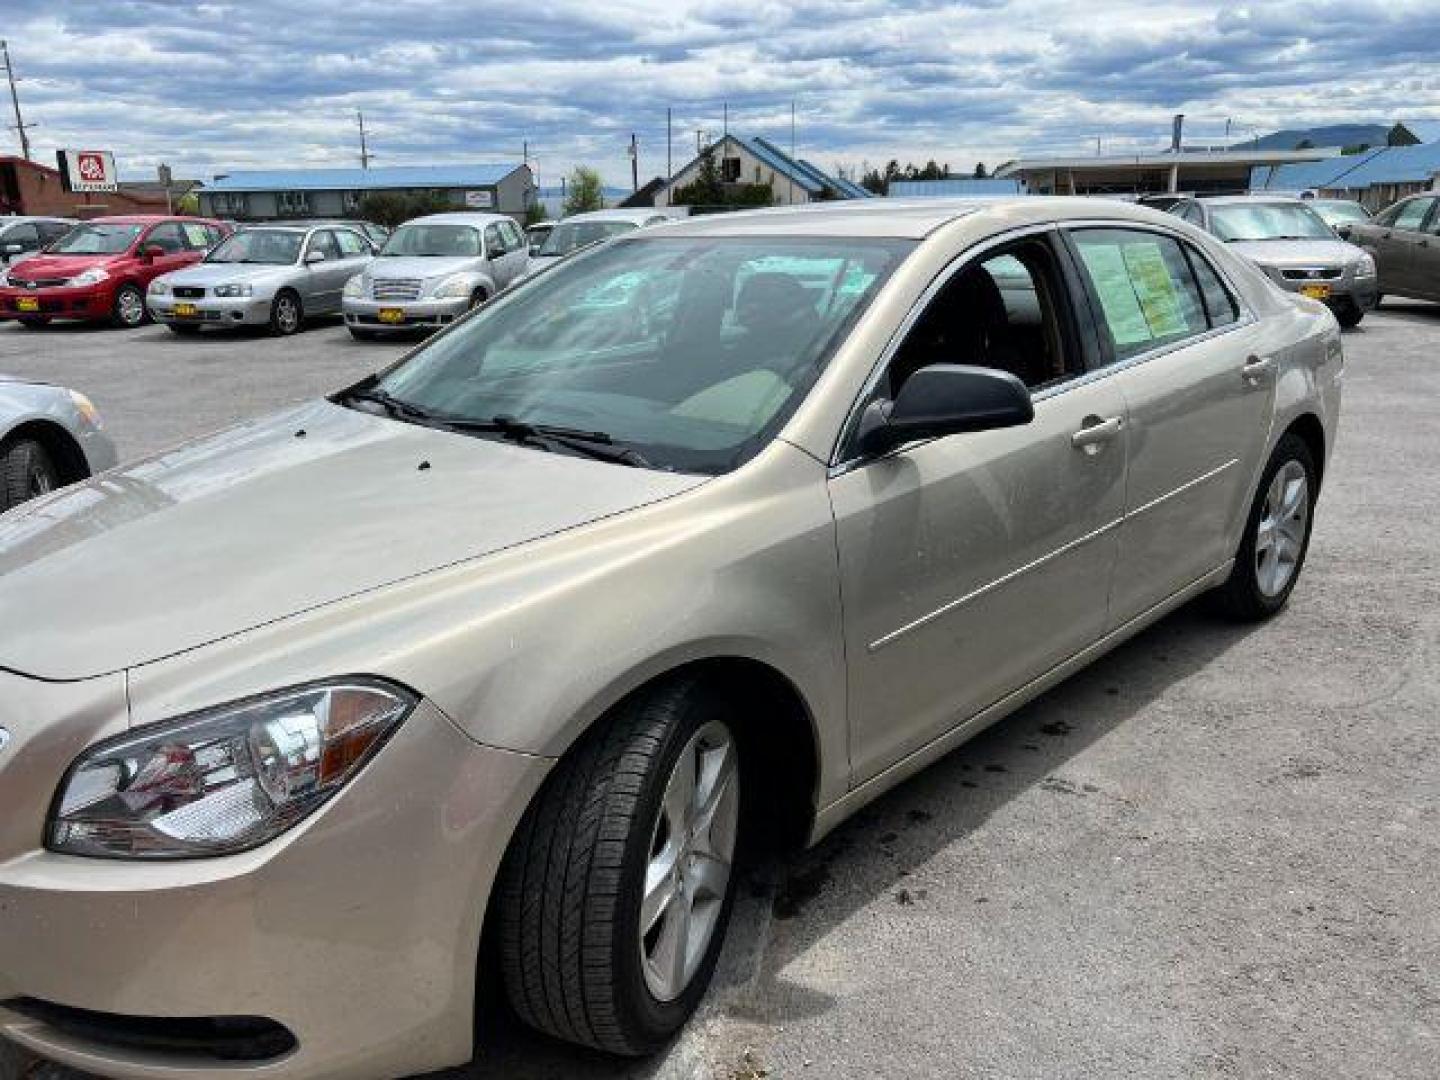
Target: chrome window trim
[1246, 317]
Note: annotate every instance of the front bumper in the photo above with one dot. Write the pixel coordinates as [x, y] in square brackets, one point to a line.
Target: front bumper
[356, 934]
[57, 302]
[1343, 292]
[211, 310]
[362, 313]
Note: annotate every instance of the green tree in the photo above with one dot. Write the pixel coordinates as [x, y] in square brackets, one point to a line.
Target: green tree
[707, 189]
[387, 208]
[583, 191]
[535, 213]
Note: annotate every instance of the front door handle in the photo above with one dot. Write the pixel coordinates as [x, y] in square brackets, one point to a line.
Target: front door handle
[1256, 368]
[1096, 433]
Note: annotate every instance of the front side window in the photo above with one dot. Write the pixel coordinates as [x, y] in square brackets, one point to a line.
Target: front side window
[1146, 294]
[24, 234]
[1268, 221]
[1002, 312]
[97, 240]
[1409, 215]
[168, 237]
[269, 247]
[324, 242]
[690, 351]
[494, 242]
[1340, 212]
[434, 239]
[570, 236]
[351, 244]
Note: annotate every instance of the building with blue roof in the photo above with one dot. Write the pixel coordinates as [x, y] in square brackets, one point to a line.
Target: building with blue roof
[961, 186]
[750, 161]
[277, 194]
[1375, 178]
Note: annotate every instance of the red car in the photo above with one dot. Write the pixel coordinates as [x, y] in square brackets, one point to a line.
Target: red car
[101, 268]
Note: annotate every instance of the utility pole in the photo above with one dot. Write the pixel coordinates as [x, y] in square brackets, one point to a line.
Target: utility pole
[792, 146]
[725, 112]
[364, 150]
[669, 145]
[20, 125]
[634, 163]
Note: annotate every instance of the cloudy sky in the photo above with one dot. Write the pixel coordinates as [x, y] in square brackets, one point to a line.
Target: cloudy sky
[212, 86]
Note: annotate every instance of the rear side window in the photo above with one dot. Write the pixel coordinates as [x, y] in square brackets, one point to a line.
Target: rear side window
[1407, 215]
[1147, 295]
[1220, 303]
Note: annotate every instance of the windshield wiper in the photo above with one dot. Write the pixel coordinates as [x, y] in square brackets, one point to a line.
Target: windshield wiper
[600, 445]
[400, 410]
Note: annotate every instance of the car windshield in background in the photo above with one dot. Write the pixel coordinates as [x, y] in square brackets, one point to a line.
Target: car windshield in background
[433, 240]
[1268, 221]
[96, 240]
[269, 246]
[1340, 213]
[573, 235]
[688, 352]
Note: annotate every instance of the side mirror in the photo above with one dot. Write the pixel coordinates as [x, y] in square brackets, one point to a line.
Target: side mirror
[1343, 231]
[314, 257]
[151, 251]
[945, 399]
[14, 249]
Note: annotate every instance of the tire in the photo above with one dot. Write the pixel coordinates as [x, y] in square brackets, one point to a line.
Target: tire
[1350, 315]
[575, 961]
[183, 329]
[478, 297]
[1378, 298]
[1262, 580]
[128, 311]
[287, 315]
[26, 472]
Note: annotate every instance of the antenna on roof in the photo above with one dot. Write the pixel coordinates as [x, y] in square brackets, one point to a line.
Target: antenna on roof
[364, 150]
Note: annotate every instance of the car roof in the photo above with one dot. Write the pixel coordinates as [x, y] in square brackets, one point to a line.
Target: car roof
[15, 219]
[638, 216]
[1241, 200]
[462, 217]
[143, 219]
[901, 218]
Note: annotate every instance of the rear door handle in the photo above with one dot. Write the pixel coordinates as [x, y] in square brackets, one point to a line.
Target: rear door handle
[1096, 433]
[1256, 368]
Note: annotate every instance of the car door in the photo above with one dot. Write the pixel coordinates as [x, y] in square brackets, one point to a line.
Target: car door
[495, 256]
[355, 255]
[1199, 393]
[518, 257]
[1427, 257]
[1397, 235]
[175, 252]
[972, 564]
[324, 280]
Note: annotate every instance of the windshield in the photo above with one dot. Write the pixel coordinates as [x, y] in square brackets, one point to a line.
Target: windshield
[433, 239]
[96, 240]
[1340, 213]
[569, 236]
[690, 351]
[271, 246]
[1268, 221]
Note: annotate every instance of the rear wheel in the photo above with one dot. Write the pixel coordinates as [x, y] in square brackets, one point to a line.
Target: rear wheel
[1350, 315]
[286, 314]
[129, 308]
[616, 891]
[1277, 535]
[26, 472]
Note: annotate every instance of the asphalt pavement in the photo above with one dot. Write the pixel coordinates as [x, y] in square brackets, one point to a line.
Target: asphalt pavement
[1214, 853]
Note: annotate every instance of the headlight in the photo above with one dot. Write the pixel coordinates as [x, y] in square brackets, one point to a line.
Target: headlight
[159, 287]
[234, 290]
[93, 276]
[355, 287]
[454, 287]
[1365, 267]
[85, 407]
[226, 779]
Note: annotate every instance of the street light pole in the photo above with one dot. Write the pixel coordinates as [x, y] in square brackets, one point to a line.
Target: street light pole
[20, 124]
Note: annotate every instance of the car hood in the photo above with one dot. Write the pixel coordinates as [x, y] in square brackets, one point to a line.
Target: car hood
[62, 266]
[271, 518]
[224, 273]
[414, 266]
[1297, 252]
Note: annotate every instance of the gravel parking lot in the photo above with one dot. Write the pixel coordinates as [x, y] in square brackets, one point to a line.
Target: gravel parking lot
[1214, 853]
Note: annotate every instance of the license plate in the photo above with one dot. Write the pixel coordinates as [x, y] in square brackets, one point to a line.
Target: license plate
[27, 303]
[186, 311]
[390, 315]
[1315, 292]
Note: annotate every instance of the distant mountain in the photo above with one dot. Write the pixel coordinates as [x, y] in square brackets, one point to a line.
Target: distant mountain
[1334, 135]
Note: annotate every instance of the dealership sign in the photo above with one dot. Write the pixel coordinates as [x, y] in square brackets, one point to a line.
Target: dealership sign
[88, 170]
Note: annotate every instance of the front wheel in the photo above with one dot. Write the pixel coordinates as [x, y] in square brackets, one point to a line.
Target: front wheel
[1350, 315]
[1277, 535]
[616, 891]
[26, 472]
[129, 311]
[286, 315]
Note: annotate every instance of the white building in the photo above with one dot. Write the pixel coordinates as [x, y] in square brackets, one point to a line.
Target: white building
[759, 161]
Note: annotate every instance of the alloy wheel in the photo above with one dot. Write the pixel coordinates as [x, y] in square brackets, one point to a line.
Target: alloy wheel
[41, 483]
[287, 315]
[692, 850]
[1280, 535]
[130, 306]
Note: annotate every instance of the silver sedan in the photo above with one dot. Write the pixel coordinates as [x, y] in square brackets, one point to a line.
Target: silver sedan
[696, 543]
[49, 437]
[271, 276]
